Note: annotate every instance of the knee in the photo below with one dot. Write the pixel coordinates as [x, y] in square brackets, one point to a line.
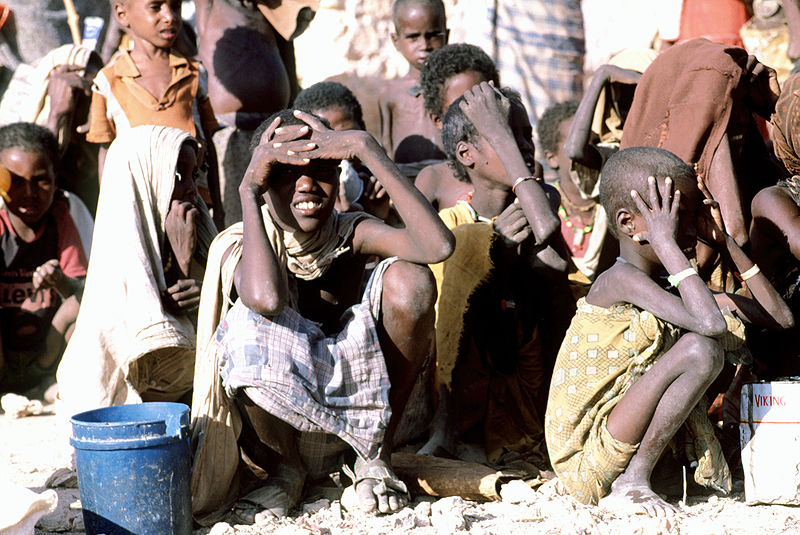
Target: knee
[409, 290]
[705, 355]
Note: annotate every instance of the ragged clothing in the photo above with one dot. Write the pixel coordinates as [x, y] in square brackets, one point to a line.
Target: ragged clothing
[488, 345]
[122, 317]
[603, 353]
[334, 384]
[216, 421]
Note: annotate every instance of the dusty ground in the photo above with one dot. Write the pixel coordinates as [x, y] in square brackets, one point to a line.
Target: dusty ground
[27, 458]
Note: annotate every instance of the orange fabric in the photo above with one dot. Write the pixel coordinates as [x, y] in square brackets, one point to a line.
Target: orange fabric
[716, 20]
[173, 109]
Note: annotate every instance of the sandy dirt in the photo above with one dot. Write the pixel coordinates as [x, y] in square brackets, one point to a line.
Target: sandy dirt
[29, 455]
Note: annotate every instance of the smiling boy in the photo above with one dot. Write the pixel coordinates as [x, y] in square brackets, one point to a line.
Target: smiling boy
[407, 133]
[302, 354]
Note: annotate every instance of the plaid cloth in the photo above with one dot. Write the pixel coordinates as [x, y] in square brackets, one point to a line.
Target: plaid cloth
[539, 47]
[333, 384]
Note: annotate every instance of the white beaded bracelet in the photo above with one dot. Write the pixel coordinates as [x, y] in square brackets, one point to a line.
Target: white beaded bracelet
[676, 279]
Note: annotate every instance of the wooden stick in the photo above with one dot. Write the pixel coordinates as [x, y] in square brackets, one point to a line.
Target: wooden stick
[72, 21]
[435, 476]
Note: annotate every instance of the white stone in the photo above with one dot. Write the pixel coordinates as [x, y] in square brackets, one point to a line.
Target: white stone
[222, 528]
[517, 491]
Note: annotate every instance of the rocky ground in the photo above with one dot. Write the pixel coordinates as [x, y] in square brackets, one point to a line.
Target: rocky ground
[27, 458]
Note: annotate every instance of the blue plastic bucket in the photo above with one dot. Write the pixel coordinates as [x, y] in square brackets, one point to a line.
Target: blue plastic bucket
[134, 468]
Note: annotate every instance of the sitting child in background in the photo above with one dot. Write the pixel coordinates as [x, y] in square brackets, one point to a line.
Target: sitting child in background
[154, 84]
[583, 220]
[313, 368]
[494, 291]
[358, 189]
[648, 339]
[44, 261]
[407, 132]
[446, 75]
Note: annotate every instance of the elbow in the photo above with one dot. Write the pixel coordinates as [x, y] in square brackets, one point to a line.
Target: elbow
[446, 247]
[785, 318]
[713, 327]
[548, 229]
[264, 303]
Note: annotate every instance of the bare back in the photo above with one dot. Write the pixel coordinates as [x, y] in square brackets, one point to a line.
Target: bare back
[407, 131]
[440, 186]
[239, 48]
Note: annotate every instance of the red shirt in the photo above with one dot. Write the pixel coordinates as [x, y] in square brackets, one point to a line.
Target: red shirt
[25, 315]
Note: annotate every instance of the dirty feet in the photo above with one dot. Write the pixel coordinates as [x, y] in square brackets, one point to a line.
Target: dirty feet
[282, 491]
[377, 488]
[636, 498]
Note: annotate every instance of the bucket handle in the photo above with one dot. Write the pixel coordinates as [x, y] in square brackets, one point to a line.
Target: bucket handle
[175, 426]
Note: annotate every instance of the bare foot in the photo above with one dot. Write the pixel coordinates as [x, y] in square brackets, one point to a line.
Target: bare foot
[377, 487]
[441, 444]
[282, 491]
[636, 498]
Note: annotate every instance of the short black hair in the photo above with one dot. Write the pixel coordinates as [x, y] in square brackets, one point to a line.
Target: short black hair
[326, 95]
[548, 124]
[436, 5]
[447, 62]
[628, 170]
[30, 137]
[456, 128]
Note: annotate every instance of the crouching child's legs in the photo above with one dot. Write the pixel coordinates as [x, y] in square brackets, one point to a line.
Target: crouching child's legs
[405, 331]
[651, 412]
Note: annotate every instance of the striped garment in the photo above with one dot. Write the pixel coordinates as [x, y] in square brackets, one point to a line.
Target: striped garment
[538, 47]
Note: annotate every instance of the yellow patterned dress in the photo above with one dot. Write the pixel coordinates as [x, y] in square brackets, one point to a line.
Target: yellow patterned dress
[604, 351]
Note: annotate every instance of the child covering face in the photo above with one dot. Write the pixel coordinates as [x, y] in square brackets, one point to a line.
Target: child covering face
[648, 339]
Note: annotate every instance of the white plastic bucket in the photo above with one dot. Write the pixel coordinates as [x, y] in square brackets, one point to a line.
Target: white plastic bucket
[770, 437]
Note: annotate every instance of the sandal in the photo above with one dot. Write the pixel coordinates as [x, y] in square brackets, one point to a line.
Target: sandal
[376, 470]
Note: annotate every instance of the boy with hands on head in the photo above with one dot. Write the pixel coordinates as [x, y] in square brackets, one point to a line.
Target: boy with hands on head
[637, 358]
[302, 351]
[490, 358]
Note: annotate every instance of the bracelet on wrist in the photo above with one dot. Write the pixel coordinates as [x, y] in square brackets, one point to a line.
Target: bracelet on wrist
[519, 181]
[750, 273]
[675, 280]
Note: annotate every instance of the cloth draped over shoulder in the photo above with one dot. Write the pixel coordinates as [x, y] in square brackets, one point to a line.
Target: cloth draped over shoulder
[26, 98]
[786, 125]
[604, 352]
[684, 99]
[216, 422]
[488, 345]
[122, 318]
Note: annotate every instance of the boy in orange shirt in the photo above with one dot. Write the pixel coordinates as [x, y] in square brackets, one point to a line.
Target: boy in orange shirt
[152, 83]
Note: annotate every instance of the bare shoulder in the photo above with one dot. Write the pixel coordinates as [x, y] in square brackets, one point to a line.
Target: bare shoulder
[427, 181]
[770, 199]
[619, 284]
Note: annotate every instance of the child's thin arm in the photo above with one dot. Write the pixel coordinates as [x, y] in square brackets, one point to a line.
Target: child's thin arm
[385, 110]
[259, 277]
[490, 118]
[425, 239]
[767, 308]
[577, 146]
[695, 309]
